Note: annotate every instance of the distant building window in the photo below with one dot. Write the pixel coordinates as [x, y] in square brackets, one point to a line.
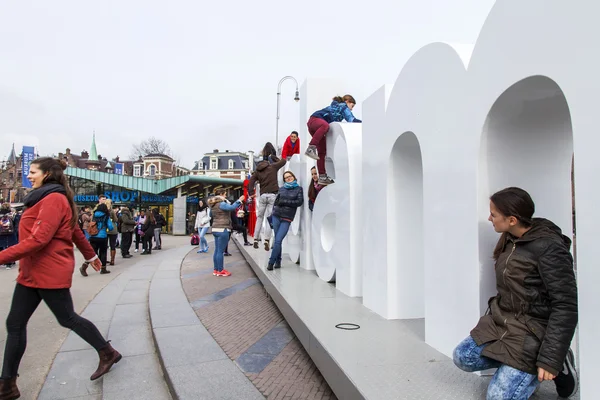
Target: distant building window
[137, 170]
[213, 163]
[231, 164]
[152, 170]
[245, 164]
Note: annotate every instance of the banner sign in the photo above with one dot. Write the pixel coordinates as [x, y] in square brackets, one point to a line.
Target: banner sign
[118, 168]
[125, 196]
[26, 159]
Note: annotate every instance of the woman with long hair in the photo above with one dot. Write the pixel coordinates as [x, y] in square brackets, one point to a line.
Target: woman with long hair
[202, 225]
[99, 241]
[47, 232]
[113, 234]
[318, 125]
[221, 227]
[148, 230]
[288, 200]
[527, 331]
[314, 188]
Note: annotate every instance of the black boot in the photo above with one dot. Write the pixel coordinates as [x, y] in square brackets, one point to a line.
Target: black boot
[9, 389]
[103, 270]
[83, 269]
[277, 265]
[108, 357]
[270, 267]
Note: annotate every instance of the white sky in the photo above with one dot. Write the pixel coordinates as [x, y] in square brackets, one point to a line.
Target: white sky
[197, 74]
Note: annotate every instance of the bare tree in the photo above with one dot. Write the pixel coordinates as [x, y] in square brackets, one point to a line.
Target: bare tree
[151, 145]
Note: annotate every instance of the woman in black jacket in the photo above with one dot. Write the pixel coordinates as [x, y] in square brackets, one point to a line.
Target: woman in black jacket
[289, 198]
[530, 323]
[148, 229]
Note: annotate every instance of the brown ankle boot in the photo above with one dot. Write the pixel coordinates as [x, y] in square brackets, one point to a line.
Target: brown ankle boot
[9, 389]
[113, 253]
[108, 357]
[83, 269]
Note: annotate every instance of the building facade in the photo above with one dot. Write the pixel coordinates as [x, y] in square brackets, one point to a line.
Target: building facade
[227, 164]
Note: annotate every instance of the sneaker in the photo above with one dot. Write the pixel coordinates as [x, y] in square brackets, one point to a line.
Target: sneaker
[256, 244]
[227, 254]
[135, 251]
[224, 272]
[215, 272]
[566, 381]
[270, 267]
[8, 267]
[247, 244]
[277, 265]
[324, 180]
[311, 152]
[267, 245]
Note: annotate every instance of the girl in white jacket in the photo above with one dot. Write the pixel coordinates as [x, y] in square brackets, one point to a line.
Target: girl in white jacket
[202, 225]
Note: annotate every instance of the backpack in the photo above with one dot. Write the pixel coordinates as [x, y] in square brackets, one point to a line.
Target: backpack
[7, 226]
[195, 240]
[95, 225]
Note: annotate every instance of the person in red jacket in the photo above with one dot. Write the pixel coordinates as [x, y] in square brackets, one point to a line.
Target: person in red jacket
[291, 146]
[47, 231]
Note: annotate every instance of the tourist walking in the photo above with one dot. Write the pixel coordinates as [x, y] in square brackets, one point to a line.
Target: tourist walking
[127, 225]
[48, 230]
[266, 176]
[221, 227]
[98, 229]
[113, 234]
[8, 230]
[527, 331]
[318, 125]
[202, 225]
[288, 200]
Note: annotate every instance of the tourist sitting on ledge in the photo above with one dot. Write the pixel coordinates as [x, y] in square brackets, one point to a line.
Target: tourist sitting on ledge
[318, 125]
[527, 331]
[291, 146]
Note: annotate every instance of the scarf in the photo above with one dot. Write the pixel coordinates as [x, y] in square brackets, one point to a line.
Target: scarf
[291, 185]
[36, 195]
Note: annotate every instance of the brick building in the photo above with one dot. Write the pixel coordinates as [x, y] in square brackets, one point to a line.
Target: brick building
[227, 164]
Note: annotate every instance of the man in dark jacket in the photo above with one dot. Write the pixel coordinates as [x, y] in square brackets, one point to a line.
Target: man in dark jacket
[266, 176]
[127, 225]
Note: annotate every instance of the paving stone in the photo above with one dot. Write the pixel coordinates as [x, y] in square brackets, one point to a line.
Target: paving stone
[184, 345]
[173, 315]
[137, 284]
[132, 339]
[98, 312]
[166, 274]
[70, 376]
[129, 314]
[217, 380]
[74, 342]
[108, 295]
[133, 296]
[135, 378]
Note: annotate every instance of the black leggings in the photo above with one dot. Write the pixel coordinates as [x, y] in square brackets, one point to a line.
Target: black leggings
[100, 246]
[24, 303]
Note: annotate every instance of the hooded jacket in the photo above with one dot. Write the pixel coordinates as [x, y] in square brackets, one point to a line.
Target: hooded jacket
[104, 224]
[289, 148]
[266, 176]
[531, 321]
[336, 112]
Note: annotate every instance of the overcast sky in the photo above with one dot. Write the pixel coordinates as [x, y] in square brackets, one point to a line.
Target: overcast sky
[200, 75]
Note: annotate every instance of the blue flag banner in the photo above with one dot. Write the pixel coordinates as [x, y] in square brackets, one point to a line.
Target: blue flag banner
[119, 168]
[26, 159]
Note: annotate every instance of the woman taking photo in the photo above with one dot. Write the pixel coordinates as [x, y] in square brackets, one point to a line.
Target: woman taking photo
[527, 330]
[113, 234]
[221, 227]
[47, 232]
[288, 200]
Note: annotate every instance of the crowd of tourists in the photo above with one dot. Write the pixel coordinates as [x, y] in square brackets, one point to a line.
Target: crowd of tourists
[525, 334]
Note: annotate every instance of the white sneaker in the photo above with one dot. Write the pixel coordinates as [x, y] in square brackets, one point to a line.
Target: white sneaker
[135, 251]
[8, 267]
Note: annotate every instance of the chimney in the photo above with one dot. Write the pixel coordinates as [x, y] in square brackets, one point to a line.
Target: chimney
[85, 154]
[60, 156]
[117, 159]
[215, 150]
[99, 157]
[226, 151]
[68, 152]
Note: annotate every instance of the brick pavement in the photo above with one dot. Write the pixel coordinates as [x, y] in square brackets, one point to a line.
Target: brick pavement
[241, 319]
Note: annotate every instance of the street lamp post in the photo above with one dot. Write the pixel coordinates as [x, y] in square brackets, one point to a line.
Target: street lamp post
[296, 98]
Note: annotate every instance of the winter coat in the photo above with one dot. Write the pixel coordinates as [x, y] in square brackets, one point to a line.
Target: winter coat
[287, 202]
[313, 192]
[86, 218]
[200, 215]
[113, 219]
[289, 148]
[336, 112]
[9, 239]
[532, 319]
[127, 222]
[103, 223]
[160, 221]
[221, 212]
[266, 176]
[45, 251]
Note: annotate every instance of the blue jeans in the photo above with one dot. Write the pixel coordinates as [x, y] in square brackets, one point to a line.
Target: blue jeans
[280, 227]
[221, 239]
[202, 233]
[507, 383]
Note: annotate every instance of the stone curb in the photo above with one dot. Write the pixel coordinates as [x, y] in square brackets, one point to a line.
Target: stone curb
[193, 364]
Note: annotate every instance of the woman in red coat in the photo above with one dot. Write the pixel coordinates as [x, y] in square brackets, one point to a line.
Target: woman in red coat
[47, 232]
[291, 146]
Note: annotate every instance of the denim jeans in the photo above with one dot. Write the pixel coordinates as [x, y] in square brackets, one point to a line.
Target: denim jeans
[221, 239]
[280, 227]
[157, 241]
[265, 209]
[202, 234]
[507, 383]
